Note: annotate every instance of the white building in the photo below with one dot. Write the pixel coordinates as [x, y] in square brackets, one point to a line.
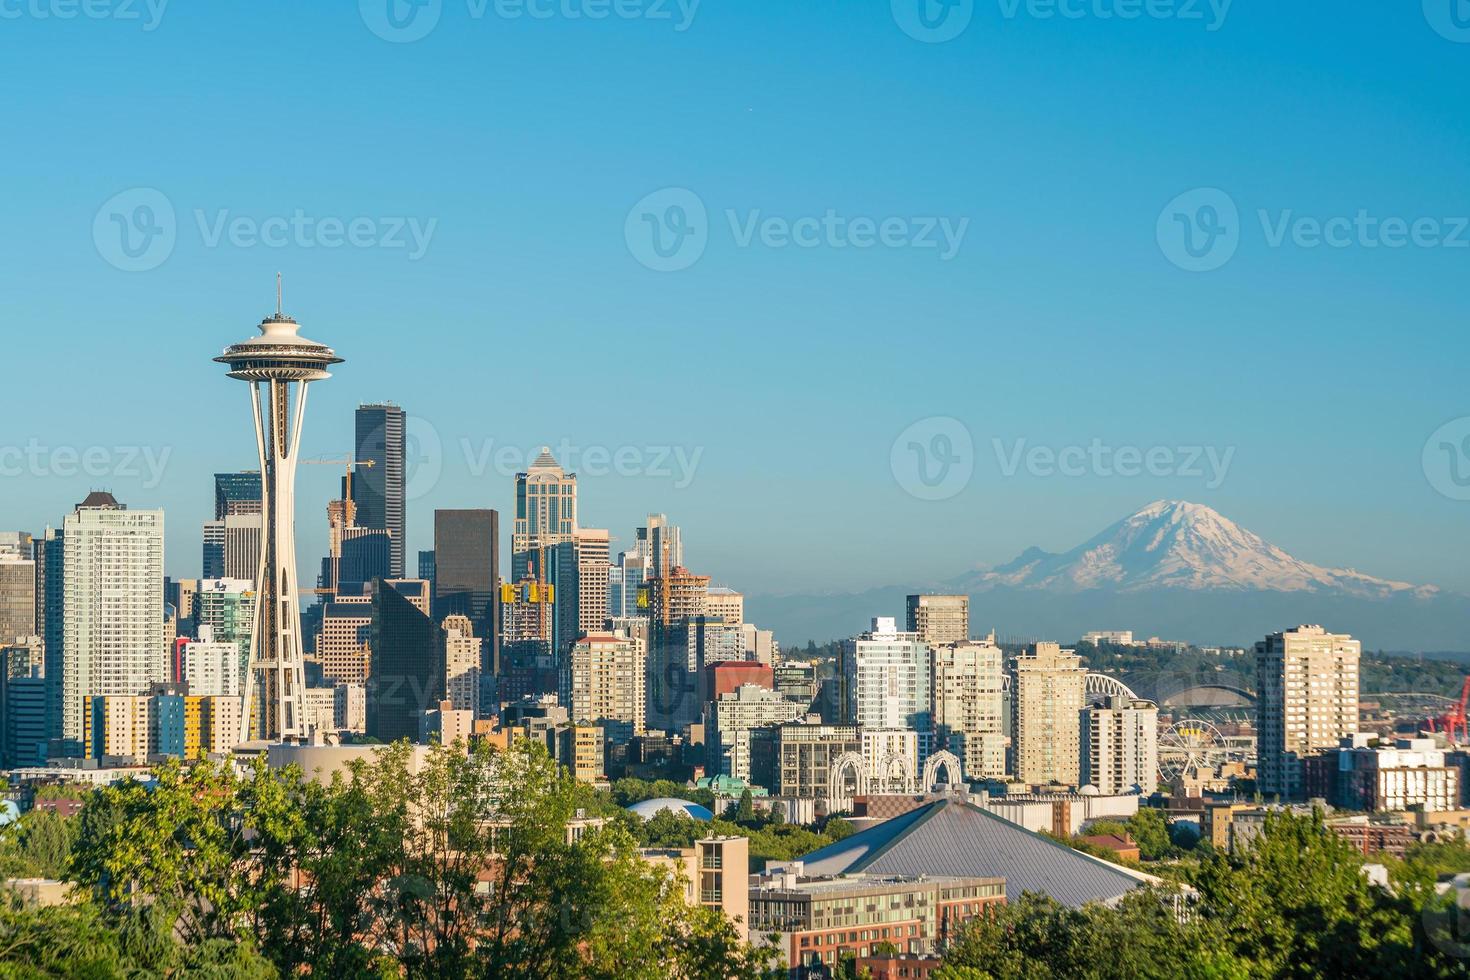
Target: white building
[351, 708]
[112, 607]
[886, 679]
[1120, 746]
[209, 667]
[729, 720]
[968, 720]
[1120, 638]
[1411, 772]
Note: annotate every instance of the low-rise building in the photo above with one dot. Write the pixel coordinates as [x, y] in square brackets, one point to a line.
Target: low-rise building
[1412, 772]
[714, 873]
[818, 920]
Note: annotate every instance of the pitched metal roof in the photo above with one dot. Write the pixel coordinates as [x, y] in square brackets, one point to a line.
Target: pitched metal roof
[957, 838]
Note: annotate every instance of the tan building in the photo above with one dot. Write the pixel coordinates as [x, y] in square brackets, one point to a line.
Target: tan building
[726, 604]
[462, 664]
[939, 619]
[1307, 701]
[608, 683]
[343, 646]
[594, 559]
[1048, 692]
[967, 691]
[714, 873]
[679, 595]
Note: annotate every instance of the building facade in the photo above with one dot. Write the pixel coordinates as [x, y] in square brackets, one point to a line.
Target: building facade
[1307, 702]
[378, 490]
[1120, 746]
[939, 619]
[968, 705]
[1048, 691]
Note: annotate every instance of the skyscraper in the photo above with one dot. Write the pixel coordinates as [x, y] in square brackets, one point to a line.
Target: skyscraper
[379, 489]
[467, 569]
[1307, 679]
[17, 597]
[592, 549]
[939, 618]
[607, 688]
[661, 546]
[546, 510]
[236, 493]
[279, 365]
[1048, 691]
[408, 671]
[112, 640]
[463, 659]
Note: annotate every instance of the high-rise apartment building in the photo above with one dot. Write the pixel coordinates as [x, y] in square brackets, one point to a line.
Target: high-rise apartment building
[730, 718]
[607, 684]
[1048, 692]
[661, 546]
[968, 705]
[211, 667]
[1307, 701]
[939, 619]
[624, 582]
[112, 639]
[593, 551]
[463, 661]
[1120, 746]
[17, 597]
[378, 490]
[226, 607]
[886, 676]
[726, 604]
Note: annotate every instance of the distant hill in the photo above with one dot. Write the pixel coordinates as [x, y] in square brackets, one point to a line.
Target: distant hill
[1174, 569]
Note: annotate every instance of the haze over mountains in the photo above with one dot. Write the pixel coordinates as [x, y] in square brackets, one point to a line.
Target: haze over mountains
[1174, 569]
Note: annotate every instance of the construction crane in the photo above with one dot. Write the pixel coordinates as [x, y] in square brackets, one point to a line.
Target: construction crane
[1453, 721]
[349, 463]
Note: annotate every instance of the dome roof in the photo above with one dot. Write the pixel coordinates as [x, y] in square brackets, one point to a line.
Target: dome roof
[650, 808]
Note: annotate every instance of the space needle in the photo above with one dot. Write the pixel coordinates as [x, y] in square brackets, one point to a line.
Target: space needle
[278, 365]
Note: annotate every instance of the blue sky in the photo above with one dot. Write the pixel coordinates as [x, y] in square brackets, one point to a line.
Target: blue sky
[520, 148]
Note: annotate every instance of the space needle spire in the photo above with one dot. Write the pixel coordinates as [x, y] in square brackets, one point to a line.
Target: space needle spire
[278, 365]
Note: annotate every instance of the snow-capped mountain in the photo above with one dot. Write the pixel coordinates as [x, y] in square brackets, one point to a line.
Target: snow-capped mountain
[1173, 544]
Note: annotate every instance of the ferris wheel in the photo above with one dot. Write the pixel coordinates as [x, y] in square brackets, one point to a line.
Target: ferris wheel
[1191, 745]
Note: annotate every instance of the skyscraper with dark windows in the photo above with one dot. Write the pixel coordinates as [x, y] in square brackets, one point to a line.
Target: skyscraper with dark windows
[467, 572]
[378, 490]
[236, 493]
[407, 675]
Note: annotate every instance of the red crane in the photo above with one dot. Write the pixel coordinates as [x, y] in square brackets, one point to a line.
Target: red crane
[1453, 720]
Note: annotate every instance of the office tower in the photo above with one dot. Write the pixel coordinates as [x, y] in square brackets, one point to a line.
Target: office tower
[593, 553]
[799, 759]
[1048, 691]
[730, 718]
[379, 490]
[624, 581]
[726, 604]
[527, 624]
[797, 681]
[232, 546]
[16, 544]
[885, 677]
[1120, 746]
[17, 597]
[351, 708]
[466, 571]
[607, 684]
[23, 725]
[210, 667]
[355, 555]
[759, 644]
[661, 546]
[236, 494]
[1307, 701]
[463, 661]
[939, 618]
[407, 674]
[967, 706]
[427, 570]
[279, 366]
[112, 640]
[50, 602]
[546, 508]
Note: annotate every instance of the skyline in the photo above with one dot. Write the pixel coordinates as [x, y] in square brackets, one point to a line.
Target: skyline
[792, 398]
